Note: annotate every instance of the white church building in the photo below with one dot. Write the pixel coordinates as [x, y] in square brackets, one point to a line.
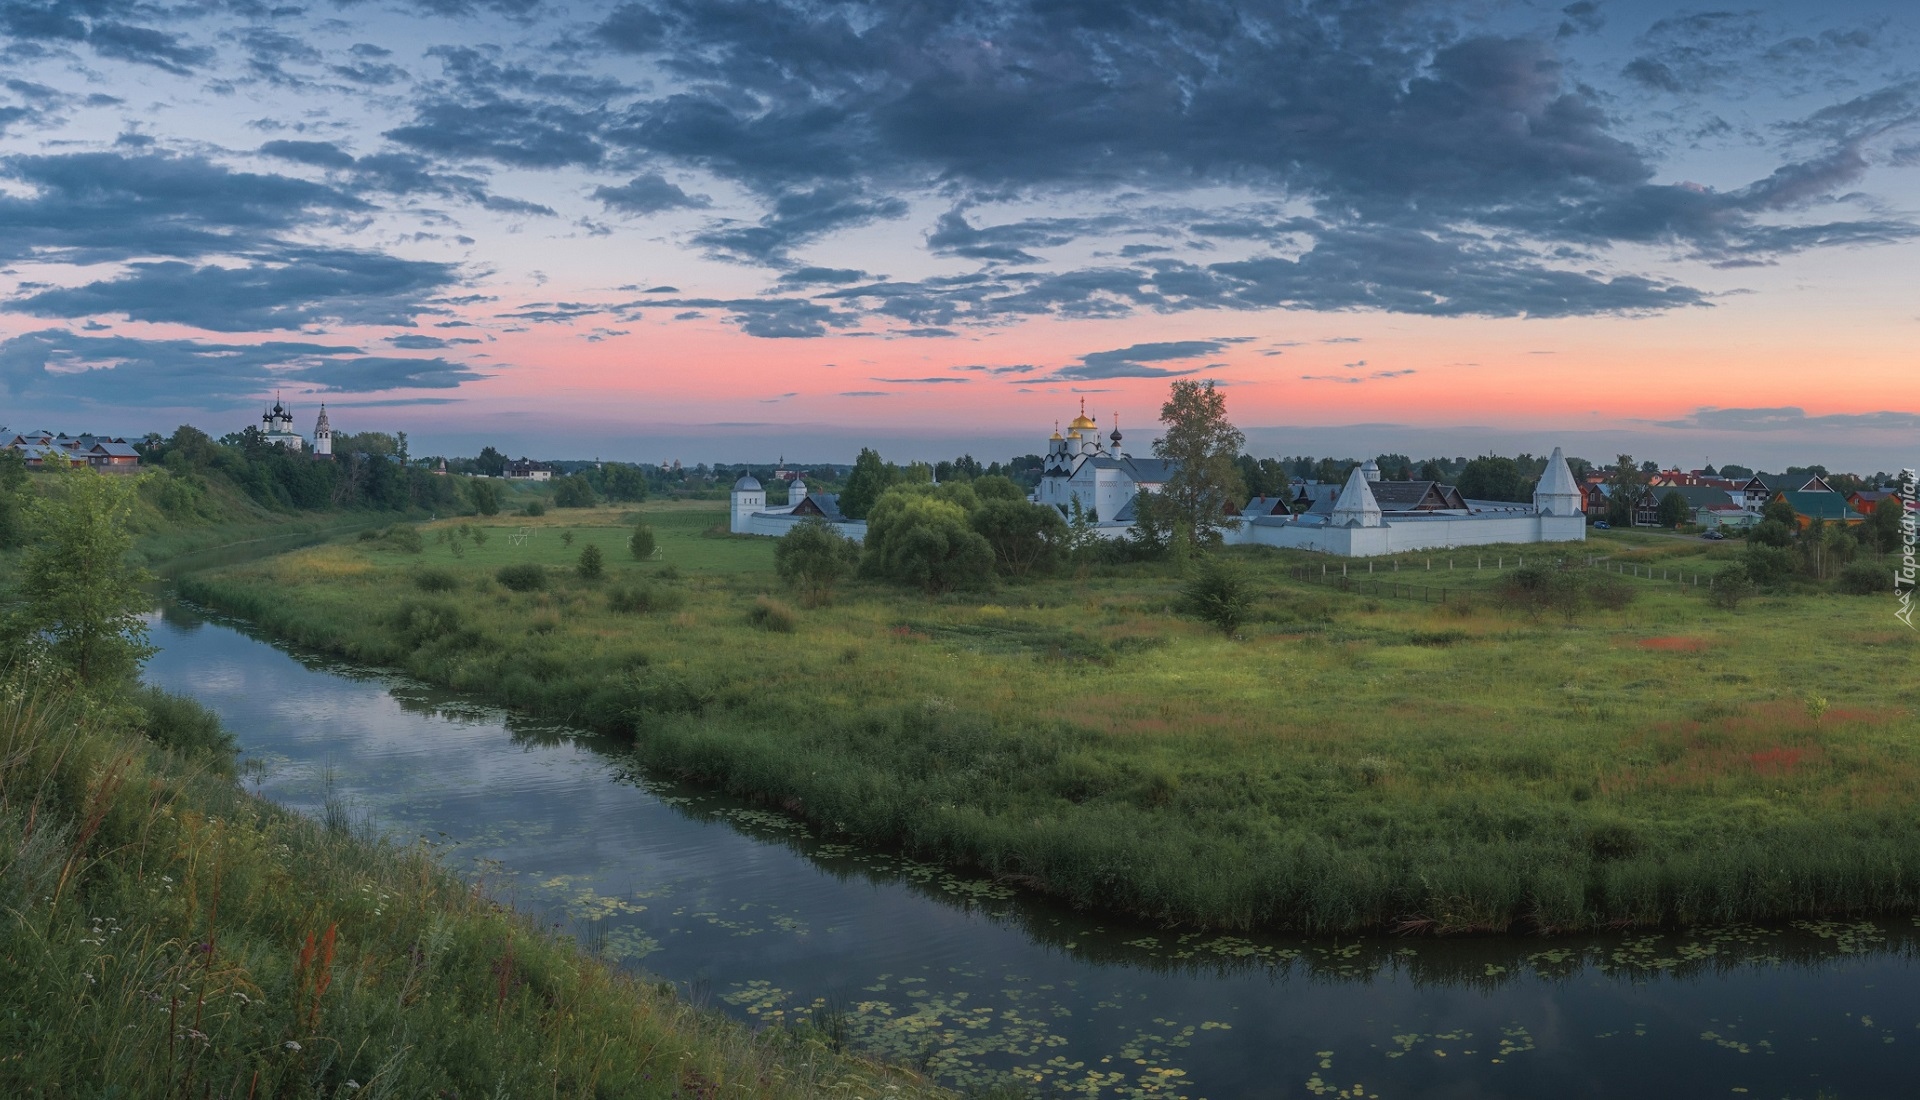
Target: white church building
[1369, 517]
[1103, 479]
[277, 430]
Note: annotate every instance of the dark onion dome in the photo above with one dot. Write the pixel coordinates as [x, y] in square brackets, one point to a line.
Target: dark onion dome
[746, 484]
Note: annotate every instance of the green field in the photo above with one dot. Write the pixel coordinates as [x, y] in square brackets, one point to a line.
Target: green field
[1349, 760]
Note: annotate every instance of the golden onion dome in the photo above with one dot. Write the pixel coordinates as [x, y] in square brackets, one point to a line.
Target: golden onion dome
[1082, 422]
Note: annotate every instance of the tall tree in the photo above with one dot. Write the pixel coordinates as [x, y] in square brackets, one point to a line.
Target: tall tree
[871, 477]
[1205, 446]
[79, 598]
[490, 462]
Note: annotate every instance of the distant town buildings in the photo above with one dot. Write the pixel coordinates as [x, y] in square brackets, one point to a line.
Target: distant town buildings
[525, 469]
[108, 453]
[277, 431]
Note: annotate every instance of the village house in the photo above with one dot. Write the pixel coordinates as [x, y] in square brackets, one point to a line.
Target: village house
[525, 469]
[109, 454]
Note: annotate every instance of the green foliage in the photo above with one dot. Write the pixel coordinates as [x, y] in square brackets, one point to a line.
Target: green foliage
[1732, 586]
[623, 482]
[1492, 477]
[916, 538]
[431, 579]
[871, 477]
[1674, 510]
[1782, 513]
[992, 487]
[641, 543]
[770, 614]
[1205, 446]
[523, 577]
[13, 499]
[534, 507]
[573, 491]
[484, 495]
[593, 563]
[644, 599]
[1772, 532]
[1865, 578]
[1025, 537]
[814, 558]
[79, 599]
[185, 726]
[1219, 593]
[402, 537]
[1767, 566]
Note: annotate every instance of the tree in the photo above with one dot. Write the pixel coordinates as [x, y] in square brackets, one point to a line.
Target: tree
[1218, 593]
[1203, 446]
[1882, 530]
[992, 487]
[80, 599]
[1026, 537]
[814, 558]
[573, 491]
[641, 543]
[916, 538]
[1673, 509]
[490, 462]
[871, 477]
[1492, 478]
[485, 496]
[1730, 586]
[13, 499]
[593, 563]
[624, 483]
[1623, 491]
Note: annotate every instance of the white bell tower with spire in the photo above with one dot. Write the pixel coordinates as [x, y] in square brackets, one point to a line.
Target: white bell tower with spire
[322, 436]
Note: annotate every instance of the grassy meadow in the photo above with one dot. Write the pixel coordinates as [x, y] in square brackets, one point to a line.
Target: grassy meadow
[164, 934]
[1347, 761]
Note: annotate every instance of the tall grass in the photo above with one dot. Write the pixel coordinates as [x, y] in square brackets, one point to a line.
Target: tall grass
[162, 934]
[1345, 761]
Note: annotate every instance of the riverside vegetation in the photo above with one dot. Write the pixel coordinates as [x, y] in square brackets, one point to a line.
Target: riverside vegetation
[1332, 761]
[163, 933]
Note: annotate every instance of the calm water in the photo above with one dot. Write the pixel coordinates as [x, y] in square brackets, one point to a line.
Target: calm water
[747, 911]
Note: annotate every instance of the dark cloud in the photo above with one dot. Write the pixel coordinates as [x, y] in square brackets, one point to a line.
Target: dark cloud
[414, 341]
[796, 218]
[117, 370]
[301, 287]
[515, 132]
[954, 236]
[99, 23]
[93, 207]
[649, 194]
[933, 381]
[323, 154]
[1136, 361]
[823, 276]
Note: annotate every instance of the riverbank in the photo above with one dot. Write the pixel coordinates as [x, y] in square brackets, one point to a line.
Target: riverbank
[1351, 762]
[163, 933]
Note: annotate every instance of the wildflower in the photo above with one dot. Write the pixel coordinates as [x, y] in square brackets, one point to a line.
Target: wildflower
[291, 1045]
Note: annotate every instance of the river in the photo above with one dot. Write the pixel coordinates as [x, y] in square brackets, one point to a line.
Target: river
[745, 910]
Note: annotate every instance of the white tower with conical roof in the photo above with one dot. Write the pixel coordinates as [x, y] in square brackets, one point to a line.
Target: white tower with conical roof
[322, 436]
[1356, 506]
[1557, 494]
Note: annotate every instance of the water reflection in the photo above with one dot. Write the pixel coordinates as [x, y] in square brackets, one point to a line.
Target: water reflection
[977, 981]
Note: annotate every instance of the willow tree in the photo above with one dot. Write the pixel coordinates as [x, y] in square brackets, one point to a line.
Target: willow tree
[1204, 447]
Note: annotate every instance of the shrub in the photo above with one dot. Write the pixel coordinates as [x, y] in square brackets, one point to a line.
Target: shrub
[813, 557]
[535, 508]
[641, 543]
[1218, 593]
[401, 536]
[918, 539]
[773, 615]
[1730, 586]
[573, 491]
[435, 580]
[1610, 592]
[1768, 566]
[187, 727]
[1026, 538]
[485, 496]
[566, 538]
[642, 599]
[523, 577]
[1864, 578]
[593, 564]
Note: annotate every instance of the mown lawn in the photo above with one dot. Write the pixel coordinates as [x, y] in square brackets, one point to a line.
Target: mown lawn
[1348, 761]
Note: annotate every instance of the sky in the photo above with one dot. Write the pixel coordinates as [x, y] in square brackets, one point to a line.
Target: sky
[736, 230]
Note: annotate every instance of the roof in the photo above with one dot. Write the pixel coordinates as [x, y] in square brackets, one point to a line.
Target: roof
[746, 484]
[1147, 471]
[1819, 505]
[1407, 496]
[1356, 506]
[1697, 496]
[1557, 481]
[824, 505]
[1267, 506]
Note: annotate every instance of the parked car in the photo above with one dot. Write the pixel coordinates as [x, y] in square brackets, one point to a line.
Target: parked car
[1602, 525]
[1716, 536]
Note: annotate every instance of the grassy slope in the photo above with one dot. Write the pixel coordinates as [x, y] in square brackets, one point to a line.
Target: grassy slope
[163, 934]
[1351, 762]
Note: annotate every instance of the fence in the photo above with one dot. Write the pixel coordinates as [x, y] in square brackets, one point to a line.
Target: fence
[1348, 577]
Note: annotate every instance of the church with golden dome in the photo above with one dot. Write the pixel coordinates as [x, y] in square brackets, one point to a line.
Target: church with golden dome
[1099, 474]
